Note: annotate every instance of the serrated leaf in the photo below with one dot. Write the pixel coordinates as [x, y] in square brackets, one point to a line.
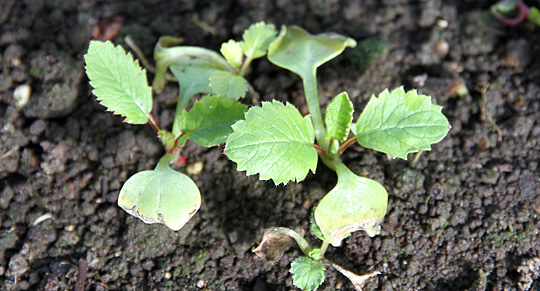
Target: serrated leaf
[274, 141]
[338, 118]
[232, 51]
[257, 38]
[400, 122]
[355, 203]
[161, 196]
[119, 82]
[302, 53]
[307, 274]
[228, 85]
[209, 122]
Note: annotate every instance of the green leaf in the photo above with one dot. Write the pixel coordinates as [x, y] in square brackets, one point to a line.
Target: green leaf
[315, 229]
[307, 274]
[161, 196]
[274, 141]
[338, 118]
[167, 138]
[232, 51]
[400, 122]
[168, 52]
[534, 16]
[355, 203]
[119, 82]
[296, 50]
[193, 76]
[257, 38]
[228, 85]
[209, 122]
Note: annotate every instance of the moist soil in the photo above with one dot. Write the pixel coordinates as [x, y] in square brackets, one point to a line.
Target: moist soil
[464, 216]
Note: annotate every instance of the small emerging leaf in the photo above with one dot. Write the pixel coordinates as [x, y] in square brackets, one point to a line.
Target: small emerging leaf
[167, 138]
[302, 53]
[274, 141]
[399, 122]
[119, 82]
[161, 196]
[355, 203]
[338, 118]
[307, 274]
[232, 51]
[228, 85]
[257, 38]
[209, 122]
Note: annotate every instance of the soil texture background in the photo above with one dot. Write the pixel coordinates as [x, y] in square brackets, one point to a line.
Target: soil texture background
[465, 216]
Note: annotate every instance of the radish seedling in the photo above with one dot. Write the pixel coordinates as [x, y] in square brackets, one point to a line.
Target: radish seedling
[272, 140]
[278, 143]
[163, 195]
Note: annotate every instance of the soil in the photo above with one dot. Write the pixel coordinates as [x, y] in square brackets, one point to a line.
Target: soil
[465, 216]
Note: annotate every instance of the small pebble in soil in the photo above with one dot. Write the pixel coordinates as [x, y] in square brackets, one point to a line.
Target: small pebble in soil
[195, 168]
[201, 284]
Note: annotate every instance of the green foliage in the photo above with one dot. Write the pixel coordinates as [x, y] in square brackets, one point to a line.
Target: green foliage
[534, 16]
[209, 122]
[274, 141]
[296, 50]
[193, 75]
[338, 119]
[307, 274]
[257, 38]
[119, 82]
[355, 203]
[161, 195]
[228, 85]
[232, 51]
[399, 122]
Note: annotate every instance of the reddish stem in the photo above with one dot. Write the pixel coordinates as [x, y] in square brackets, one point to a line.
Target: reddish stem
[320, 151]
[153, 122]
[523, 13]
[346, 144]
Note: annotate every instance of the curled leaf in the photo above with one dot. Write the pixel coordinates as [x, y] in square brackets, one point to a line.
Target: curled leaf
[272, 246]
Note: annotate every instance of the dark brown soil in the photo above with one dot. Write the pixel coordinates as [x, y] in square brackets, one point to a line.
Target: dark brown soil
[464, 217]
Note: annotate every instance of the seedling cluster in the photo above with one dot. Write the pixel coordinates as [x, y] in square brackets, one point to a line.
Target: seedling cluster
[273, 140]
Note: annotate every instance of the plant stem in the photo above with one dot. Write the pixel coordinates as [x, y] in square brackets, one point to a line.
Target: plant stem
[300, 240]
[323, 248]
[165, 160]
[244, 67]
[312, 100]
[153, 122]
[346, 144]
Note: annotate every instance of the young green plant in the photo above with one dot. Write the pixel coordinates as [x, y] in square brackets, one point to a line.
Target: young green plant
[276, 142]
[164, 195]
